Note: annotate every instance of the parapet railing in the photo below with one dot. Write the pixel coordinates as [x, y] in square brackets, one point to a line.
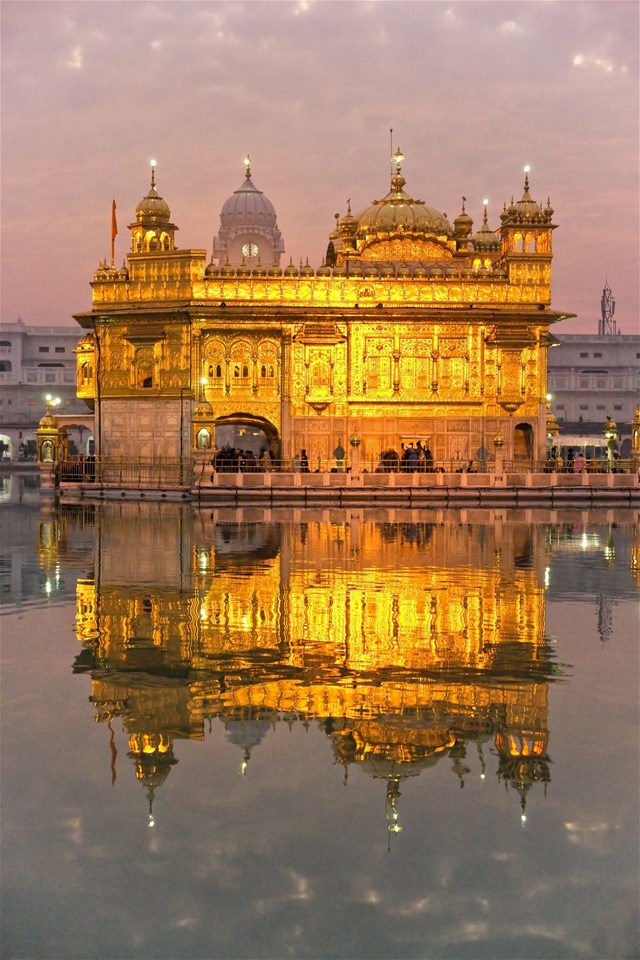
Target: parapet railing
[178, 472]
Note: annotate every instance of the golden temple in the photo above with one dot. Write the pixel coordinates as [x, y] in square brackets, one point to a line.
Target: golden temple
[414, 328]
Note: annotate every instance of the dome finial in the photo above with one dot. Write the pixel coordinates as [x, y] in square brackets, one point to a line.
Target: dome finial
[526, 178]
[485, 222]
[153, 174]
[247, 166]
[464, 200]
[397, 158]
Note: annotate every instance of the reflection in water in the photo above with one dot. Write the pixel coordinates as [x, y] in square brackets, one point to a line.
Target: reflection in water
[407, 643]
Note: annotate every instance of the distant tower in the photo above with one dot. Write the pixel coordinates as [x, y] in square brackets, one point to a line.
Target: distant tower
[607, 324]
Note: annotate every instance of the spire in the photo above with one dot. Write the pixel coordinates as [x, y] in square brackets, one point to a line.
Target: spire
[397, 180]
[393, 793]
[247, 167]
[153, 174]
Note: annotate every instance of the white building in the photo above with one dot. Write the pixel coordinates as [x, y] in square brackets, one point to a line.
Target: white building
[592, 377]
[36, 361]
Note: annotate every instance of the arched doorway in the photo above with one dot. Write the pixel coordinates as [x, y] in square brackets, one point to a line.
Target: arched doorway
[242, 431]
[523, 442]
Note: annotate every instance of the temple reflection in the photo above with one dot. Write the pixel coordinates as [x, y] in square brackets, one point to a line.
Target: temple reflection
[406, 644]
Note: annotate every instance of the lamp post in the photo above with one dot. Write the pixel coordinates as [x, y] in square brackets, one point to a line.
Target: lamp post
[611, 436]
[552, 427]
[498, 442]
[635, 439]
[354, 442]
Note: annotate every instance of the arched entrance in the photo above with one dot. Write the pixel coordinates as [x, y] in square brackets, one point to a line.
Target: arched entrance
[523, 442]
[242, 431]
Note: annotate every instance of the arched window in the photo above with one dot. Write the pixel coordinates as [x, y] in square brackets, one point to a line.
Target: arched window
[203, 439]
[46, 451]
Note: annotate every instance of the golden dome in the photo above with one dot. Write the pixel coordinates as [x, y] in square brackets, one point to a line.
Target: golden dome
[526, 210]
[203, 409]
[463, 224]
[485, 238]
[152, 207]
[398, 213]
[307, 270]
[48, 422]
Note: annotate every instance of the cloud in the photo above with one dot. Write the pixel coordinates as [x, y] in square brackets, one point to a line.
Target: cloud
[510, 27]
[75, 60]
[595, 64]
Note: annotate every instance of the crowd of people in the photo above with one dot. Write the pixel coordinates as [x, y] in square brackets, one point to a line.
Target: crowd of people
[231, 460]
[412, 459]
[575, 462]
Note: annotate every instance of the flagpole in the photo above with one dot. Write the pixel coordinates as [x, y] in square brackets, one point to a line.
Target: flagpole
[114, 231]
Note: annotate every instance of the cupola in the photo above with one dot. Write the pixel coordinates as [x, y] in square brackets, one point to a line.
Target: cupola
[152, 231]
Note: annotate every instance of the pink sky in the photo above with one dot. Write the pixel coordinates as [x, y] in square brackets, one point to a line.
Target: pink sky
[473, 91]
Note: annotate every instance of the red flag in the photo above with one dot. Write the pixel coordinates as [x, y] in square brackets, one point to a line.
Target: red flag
[114, 230]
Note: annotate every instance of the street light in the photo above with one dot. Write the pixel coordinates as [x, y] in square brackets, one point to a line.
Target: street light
[498, 442]
[355, 441]
[611, 436]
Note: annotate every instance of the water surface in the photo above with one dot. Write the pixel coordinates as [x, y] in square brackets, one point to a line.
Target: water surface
[318, 734]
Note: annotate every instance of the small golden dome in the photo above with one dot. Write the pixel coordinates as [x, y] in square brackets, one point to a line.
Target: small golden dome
[203, 409]
[485, 238]
[211, 270]
[526, 210]
[48, 422]
[307, 271]
[463, 224]
[291, 270]
[152, 207]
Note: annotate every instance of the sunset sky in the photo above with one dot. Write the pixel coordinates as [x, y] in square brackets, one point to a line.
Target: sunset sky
[92, 91]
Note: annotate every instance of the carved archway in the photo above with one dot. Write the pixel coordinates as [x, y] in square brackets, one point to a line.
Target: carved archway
[247, 431]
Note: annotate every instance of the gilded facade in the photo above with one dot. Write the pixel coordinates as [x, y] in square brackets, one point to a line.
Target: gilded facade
[414, 328]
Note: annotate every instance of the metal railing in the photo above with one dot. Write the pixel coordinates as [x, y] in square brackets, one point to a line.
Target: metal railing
[139, 472]
[178, 472]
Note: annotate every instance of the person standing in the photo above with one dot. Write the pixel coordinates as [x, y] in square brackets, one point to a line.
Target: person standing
[304, 462]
